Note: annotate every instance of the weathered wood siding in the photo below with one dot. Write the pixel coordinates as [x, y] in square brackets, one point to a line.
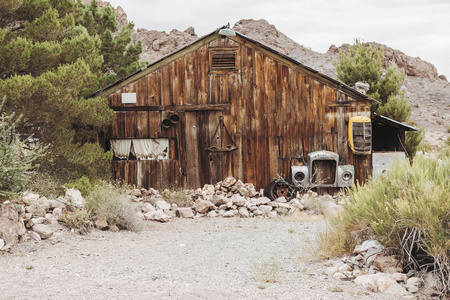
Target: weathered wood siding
[276, 113]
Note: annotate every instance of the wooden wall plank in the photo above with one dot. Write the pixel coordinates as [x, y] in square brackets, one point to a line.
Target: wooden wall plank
[215, 160]
[202, 76]
[154, 123]
[166, 86]
[130, 124]
[142, 124]
[192, 155]
[142, 92]
[189, 79]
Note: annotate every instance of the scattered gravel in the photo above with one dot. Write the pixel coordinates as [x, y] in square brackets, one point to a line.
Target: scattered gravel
[207, 258]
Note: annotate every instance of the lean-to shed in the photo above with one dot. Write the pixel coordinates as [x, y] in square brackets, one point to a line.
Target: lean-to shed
[388, 142]
[228, 106]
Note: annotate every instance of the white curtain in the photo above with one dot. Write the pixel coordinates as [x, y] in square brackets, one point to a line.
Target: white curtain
[121, 148]
[151, 148]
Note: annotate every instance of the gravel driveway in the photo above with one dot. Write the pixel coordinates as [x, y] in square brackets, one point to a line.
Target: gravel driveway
[184, 259]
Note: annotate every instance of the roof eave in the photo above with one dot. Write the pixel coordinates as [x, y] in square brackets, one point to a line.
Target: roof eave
[392, 122]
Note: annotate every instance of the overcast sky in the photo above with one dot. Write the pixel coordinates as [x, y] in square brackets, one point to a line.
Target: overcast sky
[416, 27]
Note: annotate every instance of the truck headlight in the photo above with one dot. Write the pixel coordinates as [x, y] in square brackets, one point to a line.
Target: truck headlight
[299, 176]
[347, 176]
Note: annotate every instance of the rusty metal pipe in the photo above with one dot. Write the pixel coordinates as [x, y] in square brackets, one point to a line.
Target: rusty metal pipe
[174, 118]
[166, 123]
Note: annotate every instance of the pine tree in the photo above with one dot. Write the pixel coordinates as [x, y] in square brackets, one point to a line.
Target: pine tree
[51, 60]
[121, 57]
[365, 63]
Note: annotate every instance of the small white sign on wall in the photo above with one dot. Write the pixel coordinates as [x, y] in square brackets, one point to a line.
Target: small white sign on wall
[128, 98]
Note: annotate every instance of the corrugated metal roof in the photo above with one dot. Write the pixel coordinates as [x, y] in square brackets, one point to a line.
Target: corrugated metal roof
[391, 122]
[343, 87]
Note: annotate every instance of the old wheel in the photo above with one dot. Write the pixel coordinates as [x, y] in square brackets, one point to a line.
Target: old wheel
[281, 187]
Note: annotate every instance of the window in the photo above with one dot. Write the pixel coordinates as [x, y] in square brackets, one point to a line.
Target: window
[223, 59]
[142, 149]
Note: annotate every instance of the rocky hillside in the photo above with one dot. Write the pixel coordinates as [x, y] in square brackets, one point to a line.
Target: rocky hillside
[428, 91]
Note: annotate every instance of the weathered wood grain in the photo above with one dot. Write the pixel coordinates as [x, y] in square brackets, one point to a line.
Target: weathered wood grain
[275, 111]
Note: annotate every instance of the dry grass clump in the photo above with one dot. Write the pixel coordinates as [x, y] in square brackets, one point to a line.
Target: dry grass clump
[177, 196]
[408, 209]
[46, 184]
[113, 204]
[267, 270]
[77, 218]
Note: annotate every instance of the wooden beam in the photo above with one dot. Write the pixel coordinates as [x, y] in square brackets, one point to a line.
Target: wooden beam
[193, 107]
[346, 104]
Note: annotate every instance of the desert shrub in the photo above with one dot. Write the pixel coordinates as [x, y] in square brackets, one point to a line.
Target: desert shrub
[16, 156]
[177, 196]
[408, 210]
[114, 205]
[77, 218]
[444, 153]
[83, 184]
[267, 270]
[413, 141]
[338, 238]
[46, 184]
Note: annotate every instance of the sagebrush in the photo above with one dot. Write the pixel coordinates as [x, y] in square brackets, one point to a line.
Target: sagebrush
[408, 209]
[177, 196]
[113, 204]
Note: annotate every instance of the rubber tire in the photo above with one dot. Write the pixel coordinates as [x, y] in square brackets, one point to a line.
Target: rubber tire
[273, 184]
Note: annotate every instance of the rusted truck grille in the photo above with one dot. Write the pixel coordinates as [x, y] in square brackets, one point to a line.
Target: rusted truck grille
[324, 172]
[362, 136]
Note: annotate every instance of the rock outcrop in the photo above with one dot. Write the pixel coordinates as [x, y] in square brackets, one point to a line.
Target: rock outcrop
[157, 44]
[413, 66]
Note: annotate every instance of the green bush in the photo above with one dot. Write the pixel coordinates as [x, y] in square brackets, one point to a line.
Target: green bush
[16, 156]
[413, 140]
[409, 210]
[114, 205]
[83, 184]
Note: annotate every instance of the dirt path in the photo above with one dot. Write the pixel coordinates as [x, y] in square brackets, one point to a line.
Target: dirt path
[183, 259]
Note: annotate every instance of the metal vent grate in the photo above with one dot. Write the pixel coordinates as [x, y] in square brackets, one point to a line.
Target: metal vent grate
[362, 136]
[223, 59]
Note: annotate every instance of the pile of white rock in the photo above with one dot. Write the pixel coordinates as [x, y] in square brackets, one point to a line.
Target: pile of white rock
[369, 267]
[34, 217]
[229, 198]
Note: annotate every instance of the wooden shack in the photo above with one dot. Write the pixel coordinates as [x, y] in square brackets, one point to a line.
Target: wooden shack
[228, 106]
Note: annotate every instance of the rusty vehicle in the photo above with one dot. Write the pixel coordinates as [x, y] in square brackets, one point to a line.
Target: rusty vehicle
[322, 169]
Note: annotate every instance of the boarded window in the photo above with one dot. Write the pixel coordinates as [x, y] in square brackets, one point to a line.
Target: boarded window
[142, 149]
[128, 98]
[223, 59]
